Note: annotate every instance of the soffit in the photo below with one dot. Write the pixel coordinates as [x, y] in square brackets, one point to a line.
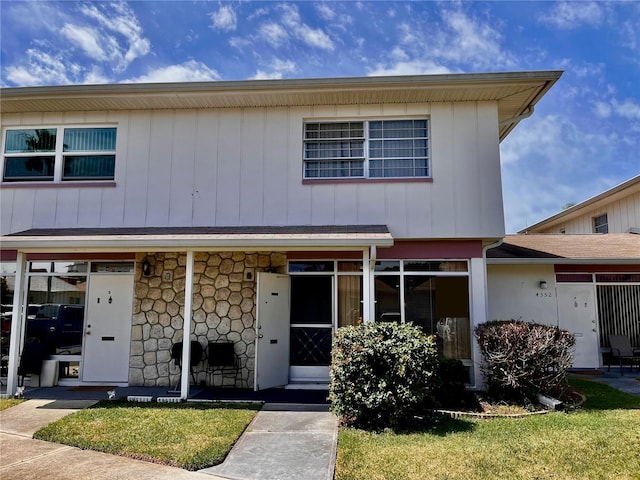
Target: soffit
[515, 93]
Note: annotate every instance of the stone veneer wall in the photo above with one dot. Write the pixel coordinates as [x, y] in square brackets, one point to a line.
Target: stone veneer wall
[223, 310]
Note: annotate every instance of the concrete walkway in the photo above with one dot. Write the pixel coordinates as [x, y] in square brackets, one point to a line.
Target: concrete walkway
[282, 442]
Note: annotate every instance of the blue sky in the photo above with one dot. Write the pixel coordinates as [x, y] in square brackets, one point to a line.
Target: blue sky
[583, 139]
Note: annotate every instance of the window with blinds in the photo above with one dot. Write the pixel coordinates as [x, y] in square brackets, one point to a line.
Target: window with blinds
[367, 149]
[59, 154]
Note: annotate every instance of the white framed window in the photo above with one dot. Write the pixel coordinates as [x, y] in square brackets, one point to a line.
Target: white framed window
[601, 224]
[59, 154]
[394, 148]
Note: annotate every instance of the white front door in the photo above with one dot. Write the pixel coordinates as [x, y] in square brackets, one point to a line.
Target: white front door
[272, 331]
[577, 314]
[108, 329]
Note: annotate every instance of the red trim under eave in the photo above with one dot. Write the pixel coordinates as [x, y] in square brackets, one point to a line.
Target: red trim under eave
[432, 249]
[349, 255]
[8, 255]
[569, 268]
[82, 256]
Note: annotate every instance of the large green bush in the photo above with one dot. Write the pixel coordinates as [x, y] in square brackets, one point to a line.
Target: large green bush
[522, 359]
[381, 374]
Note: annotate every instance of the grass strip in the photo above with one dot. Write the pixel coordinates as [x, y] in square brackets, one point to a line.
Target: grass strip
[9, 402]
[186, 435]
[601, 440]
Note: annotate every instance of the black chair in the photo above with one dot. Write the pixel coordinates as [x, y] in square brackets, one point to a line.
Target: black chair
[222, 359]
[33, 353]
[196, 358]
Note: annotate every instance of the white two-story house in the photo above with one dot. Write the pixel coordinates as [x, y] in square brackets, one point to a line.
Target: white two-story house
[265, 214]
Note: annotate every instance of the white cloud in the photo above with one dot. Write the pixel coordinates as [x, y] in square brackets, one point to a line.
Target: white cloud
[224, 19]
[570, 15]
[325, 11]
[190, 71]
[414, 67]
[121, 20]
[313, 37]
[603, 109]
[628, 109]
[87, 38]
[274, 34]
[277, 69]
[472, 42]
[40, 68]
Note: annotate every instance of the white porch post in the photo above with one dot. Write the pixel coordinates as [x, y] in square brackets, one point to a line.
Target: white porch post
[16, 324]
[186, 328]
[479, 311]
[366, 286]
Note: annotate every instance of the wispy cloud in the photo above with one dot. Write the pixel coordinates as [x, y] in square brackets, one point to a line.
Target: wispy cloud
[276, 70]
[274, 34]
[313, 37]
[570, 15]
[191, 71]
[41, 68]
[224, 19]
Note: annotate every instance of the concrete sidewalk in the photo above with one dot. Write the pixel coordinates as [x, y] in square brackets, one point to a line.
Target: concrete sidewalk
[282, 442]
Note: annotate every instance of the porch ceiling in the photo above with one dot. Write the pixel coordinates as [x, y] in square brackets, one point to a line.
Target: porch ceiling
[324, 237]
[515, 92]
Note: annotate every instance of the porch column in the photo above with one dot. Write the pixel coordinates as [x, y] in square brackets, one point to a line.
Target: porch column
[186, 328]
[367, 290]
[16, 324]
[479, 311]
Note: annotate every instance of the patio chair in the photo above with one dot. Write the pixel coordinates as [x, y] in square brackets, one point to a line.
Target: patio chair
[196, 358]
[622, 350]
[222, 359]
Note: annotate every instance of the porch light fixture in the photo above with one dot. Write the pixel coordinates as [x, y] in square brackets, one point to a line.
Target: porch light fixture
[543, 284]
[146, 268]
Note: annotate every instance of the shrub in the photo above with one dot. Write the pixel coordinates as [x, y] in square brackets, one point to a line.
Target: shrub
[451, 390]
[523, 359]
[381, 374]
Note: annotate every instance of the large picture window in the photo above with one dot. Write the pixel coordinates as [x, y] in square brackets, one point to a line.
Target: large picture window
[59, 154]
[367, 149]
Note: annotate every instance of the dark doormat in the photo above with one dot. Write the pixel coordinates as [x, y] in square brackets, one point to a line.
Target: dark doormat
[91, 388]
[272, 395]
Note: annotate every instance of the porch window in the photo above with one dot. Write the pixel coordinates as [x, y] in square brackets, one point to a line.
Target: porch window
[59, 154]
[431, 294]
[367, 149]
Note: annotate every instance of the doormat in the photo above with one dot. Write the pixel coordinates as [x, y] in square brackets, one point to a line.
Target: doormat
[91, 388]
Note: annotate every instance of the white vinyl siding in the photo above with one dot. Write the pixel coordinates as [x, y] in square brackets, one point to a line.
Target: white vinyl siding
[230, 166]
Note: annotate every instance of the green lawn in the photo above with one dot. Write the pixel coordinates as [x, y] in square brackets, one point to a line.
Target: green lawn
[9, 402]
[599, 441]
[185, 435]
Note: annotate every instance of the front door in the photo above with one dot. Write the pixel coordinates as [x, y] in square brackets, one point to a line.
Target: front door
[272, 331]
[108, 329]
[311, 328]
[577, 314]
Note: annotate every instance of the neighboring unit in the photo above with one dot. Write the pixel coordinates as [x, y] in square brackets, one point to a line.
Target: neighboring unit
[262, 213]
[581, 280]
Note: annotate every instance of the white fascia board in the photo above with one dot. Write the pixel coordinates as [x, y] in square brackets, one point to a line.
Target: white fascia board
[129, 243]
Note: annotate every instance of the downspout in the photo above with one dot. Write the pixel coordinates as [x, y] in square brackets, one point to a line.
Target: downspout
[517, 118]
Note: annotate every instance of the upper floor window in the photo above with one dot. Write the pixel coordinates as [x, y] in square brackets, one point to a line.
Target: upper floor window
[59, 154]
[367, 149]
[601, 224]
